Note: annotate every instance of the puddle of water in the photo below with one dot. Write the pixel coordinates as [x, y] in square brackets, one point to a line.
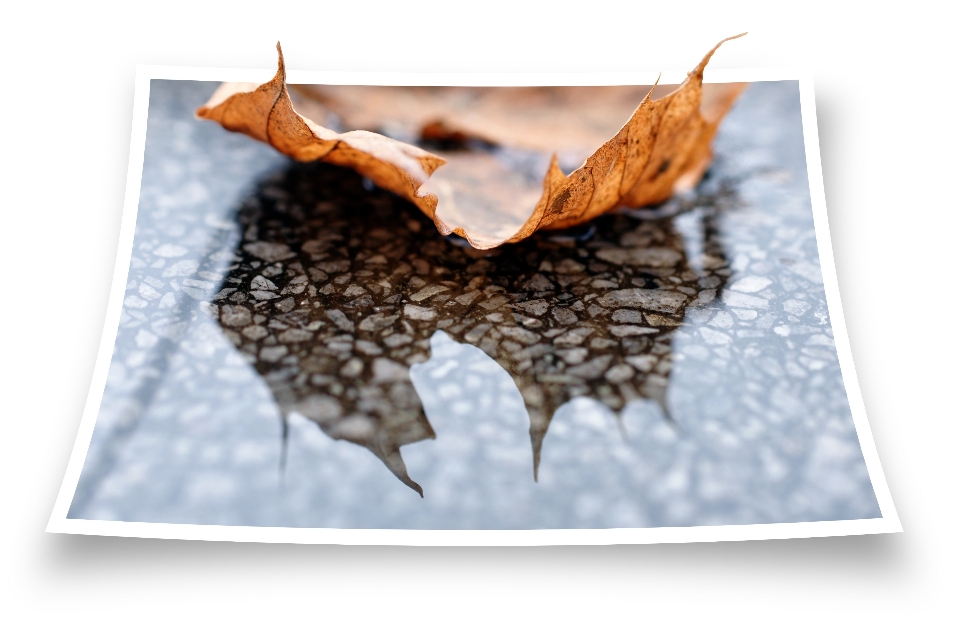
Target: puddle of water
[305, 358]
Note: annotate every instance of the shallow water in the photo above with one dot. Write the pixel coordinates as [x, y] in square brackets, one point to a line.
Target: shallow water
[298, 348]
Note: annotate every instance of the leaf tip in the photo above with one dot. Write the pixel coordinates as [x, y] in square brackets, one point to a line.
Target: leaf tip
[706, 59]
[430, 162]
[281, 67]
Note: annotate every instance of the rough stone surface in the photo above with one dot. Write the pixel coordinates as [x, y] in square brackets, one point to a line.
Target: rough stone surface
[670, 371]
[654, 300]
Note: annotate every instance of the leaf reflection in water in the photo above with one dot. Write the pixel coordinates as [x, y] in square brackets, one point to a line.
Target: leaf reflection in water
[337, 290]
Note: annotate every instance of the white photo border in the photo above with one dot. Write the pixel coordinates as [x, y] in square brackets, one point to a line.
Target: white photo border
[889, 522]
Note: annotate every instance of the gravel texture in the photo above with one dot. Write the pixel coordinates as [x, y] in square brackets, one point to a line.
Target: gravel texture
[282, 339]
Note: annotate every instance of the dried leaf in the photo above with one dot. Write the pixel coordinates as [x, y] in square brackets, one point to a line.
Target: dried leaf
[571, 121]
[266, 113]
[496, 196]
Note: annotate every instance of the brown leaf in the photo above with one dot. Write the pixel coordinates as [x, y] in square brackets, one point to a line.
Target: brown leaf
[496, 196]
[569, 120]
[266, 113]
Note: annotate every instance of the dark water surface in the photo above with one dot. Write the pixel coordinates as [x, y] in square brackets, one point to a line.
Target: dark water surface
[298, 348]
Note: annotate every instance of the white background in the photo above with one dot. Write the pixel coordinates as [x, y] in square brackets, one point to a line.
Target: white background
[888, 132]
